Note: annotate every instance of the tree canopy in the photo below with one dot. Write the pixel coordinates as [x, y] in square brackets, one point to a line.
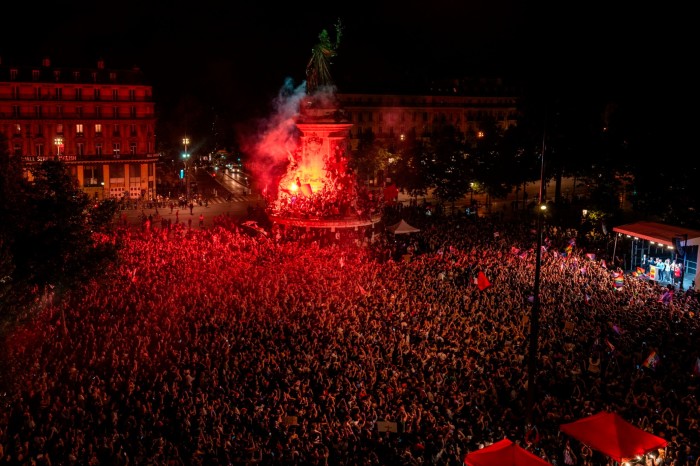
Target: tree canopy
[53, 234]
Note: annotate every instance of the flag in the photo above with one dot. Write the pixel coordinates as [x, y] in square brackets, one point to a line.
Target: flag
[531, 299]
[523, 255]
[619, 282]
[611, 347]
[616, 329]
[603, 264]
[651, 361]
[640, 270]
[482, 282]
[587, 298]
[696, 367]
[666, 297]
[591, 256]
[362, 290]
[514, 250]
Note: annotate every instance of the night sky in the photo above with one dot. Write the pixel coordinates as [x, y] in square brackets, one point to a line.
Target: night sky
[236, 55]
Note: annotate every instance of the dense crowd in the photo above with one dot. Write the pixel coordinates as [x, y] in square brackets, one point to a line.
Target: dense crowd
[226, 346]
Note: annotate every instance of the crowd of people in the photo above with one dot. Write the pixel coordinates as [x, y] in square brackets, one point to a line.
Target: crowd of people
[219, 346]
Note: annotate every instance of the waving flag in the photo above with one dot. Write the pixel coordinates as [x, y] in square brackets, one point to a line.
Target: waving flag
[652, 361]
[640, 270]
[603, 264]
[591, 256]
[696, 367]
[482, 282]
[619, 282]
[611, 347]
[666, 297]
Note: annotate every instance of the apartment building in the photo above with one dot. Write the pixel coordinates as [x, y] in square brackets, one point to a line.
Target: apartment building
[466, 104]
[99, 121]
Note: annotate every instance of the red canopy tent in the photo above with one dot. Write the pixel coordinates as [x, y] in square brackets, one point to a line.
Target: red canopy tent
[503, 453]
[611, 435]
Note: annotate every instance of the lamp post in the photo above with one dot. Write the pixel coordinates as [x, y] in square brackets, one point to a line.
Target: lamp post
[535, 312]
[186, 157]
[58, 141]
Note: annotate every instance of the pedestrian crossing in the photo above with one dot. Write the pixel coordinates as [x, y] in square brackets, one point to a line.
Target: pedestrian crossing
[231, 198]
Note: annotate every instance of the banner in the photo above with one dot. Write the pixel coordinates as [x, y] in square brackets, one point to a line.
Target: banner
[652, 272]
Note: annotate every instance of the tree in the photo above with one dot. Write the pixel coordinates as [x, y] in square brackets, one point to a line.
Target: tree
[448, 171]
[59, 233]
[411, 167]
[370, 157]
[11, 200]
[493, 161]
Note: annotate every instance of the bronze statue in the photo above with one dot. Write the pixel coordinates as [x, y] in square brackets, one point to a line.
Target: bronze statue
[317, 71]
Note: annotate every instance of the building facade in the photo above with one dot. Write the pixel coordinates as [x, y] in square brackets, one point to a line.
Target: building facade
[466, 105]
[100, 122]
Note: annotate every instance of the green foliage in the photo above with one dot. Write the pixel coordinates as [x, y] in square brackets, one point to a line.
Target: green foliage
[412, 161]
[449, 169]
[54, 234]
[11, 189]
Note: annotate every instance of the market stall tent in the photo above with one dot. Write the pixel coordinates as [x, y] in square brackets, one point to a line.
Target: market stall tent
[402, 228]
[612, 436]
[504, 453]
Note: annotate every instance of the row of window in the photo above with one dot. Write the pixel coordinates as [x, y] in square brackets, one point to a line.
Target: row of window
[58, 94]
[36, 75]
[59, 149]
[79, 130]
[478, 115]
[79, 112]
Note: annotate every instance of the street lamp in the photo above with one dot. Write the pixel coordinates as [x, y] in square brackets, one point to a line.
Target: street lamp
[186, 157]
[58, 141]
[535, 311]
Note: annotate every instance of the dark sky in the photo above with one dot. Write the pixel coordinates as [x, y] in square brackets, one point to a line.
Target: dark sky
[238, 54]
